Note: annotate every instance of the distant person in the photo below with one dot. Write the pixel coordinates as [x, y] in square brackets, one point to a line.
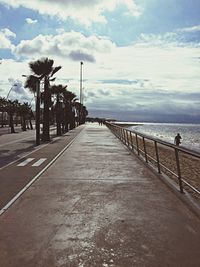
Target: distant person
[177, 139]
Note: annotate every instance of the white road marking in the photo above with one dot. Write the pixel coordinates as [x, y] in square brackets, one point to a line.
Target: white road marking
[25, 162]
[39, 162]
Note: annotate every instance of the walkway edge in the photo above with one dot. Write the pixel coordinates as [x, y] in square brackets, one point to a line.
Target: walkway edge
[185, 197]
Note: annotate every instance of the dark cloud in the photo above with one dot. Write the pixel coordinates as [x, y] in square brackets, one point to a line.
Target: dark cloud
[120, 81]
[162, 95]
[104, 92]
[140, 116]
[78, 55]
[150, 106]
[91, 94]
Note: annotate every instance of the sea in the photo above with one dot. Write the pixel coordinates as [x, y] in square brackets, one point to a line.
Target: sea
[190, 133]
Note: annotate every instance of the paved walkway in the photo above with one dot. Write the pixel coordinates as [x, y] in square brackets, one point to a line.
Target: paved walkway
[98, 205]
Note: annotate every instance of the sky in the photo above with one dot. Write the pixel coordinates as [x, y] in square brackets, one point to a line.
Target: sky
[141, 58]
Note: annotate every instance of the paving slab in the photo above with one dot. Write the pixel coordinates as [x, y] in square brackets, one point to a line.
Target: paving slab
[98, 205]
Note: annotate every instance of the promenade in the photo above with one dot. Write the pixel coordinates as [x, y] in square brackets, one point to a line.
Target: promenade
[98, 205]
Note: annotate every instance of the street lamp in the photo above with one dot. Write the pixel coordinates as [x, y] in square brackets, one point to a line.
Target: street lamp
[10, 91]
[37, 109]
[81, 90]
[2, 115]
[81, 80]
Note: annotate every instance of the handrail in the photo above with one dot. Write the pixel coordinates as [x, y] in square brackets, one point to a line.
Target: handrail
[126, 136]
[185, 150]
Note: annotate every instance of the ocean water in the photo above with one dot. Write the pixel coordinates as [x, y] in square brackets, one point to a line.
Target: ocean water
[190, 133]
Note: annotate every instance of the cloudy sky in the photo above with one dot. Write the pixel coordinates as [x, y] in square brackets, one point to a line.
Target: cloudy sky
[141, 57]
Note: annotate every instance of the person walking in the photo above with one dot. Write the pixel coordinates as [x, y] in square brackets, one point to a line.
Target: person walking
[177, 139]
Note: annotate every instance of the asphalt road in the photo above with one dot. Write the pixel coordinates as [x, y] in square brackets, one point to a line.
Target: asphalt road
[21, 161]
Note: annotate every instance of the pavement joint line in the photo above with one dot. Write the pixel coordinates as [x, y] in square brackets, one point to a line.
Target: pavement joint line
[35, 149]
[9, 204]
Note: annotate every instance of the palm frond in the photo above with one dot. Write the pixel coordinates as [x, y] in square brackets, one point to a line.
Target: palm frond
[42, 66]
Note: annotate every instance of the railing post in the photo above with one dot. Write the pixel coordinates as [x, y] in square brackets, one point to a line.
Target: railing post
[118, 132]
[127, 138]
[178, 170]
[157, 157]
[126, 141]
[123, 135]
[145, 151]
[131, 138]
[138, 150]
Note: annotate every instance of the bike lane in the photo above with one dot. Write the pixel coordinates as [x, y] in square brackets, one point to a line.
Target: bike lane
[17, 177]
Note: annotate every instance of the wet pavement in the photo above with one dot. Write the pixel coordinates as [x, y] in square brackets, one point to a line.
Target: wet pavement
[98, 205]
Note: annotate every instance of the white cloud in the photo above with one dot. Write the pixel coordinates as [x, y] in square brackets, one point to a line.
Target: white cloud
[182, 37]
[73, 45]
[5, 36]
[150, 40]
[11, 74]
[8, 33]
[82, 11]
[31, 21]
[190, 29]
[161, 71]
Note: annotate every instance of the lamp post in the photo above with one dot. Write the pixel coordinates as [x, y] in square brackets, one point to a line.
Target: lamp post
[81, 80]
[2, 115]
[37, 110]
[10, 91]
[81, 90]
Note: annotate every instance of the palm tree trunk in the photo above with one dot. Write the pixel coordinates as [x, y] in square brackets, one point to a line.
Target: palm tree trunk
[31, 125]
[2, 119]
[58, 117]
[23, 123]
[45, 135]
[66, 118]
[11, 123]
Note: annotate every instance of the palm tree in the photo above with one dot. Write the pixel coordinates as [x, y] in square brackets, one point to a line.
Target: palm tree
[43, 70]
[11, 108]
[58, 91]
[3, 103]
[24, 111]
[78, 107]
[84, 114]
[69, 108]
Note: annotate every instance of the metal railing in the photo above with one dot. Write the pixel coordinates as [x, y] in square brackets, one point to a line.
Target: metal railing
[151, 150]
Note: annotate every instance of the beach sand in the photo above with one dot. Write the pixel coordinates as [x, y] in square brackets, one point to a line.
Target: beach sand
[189, 165]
